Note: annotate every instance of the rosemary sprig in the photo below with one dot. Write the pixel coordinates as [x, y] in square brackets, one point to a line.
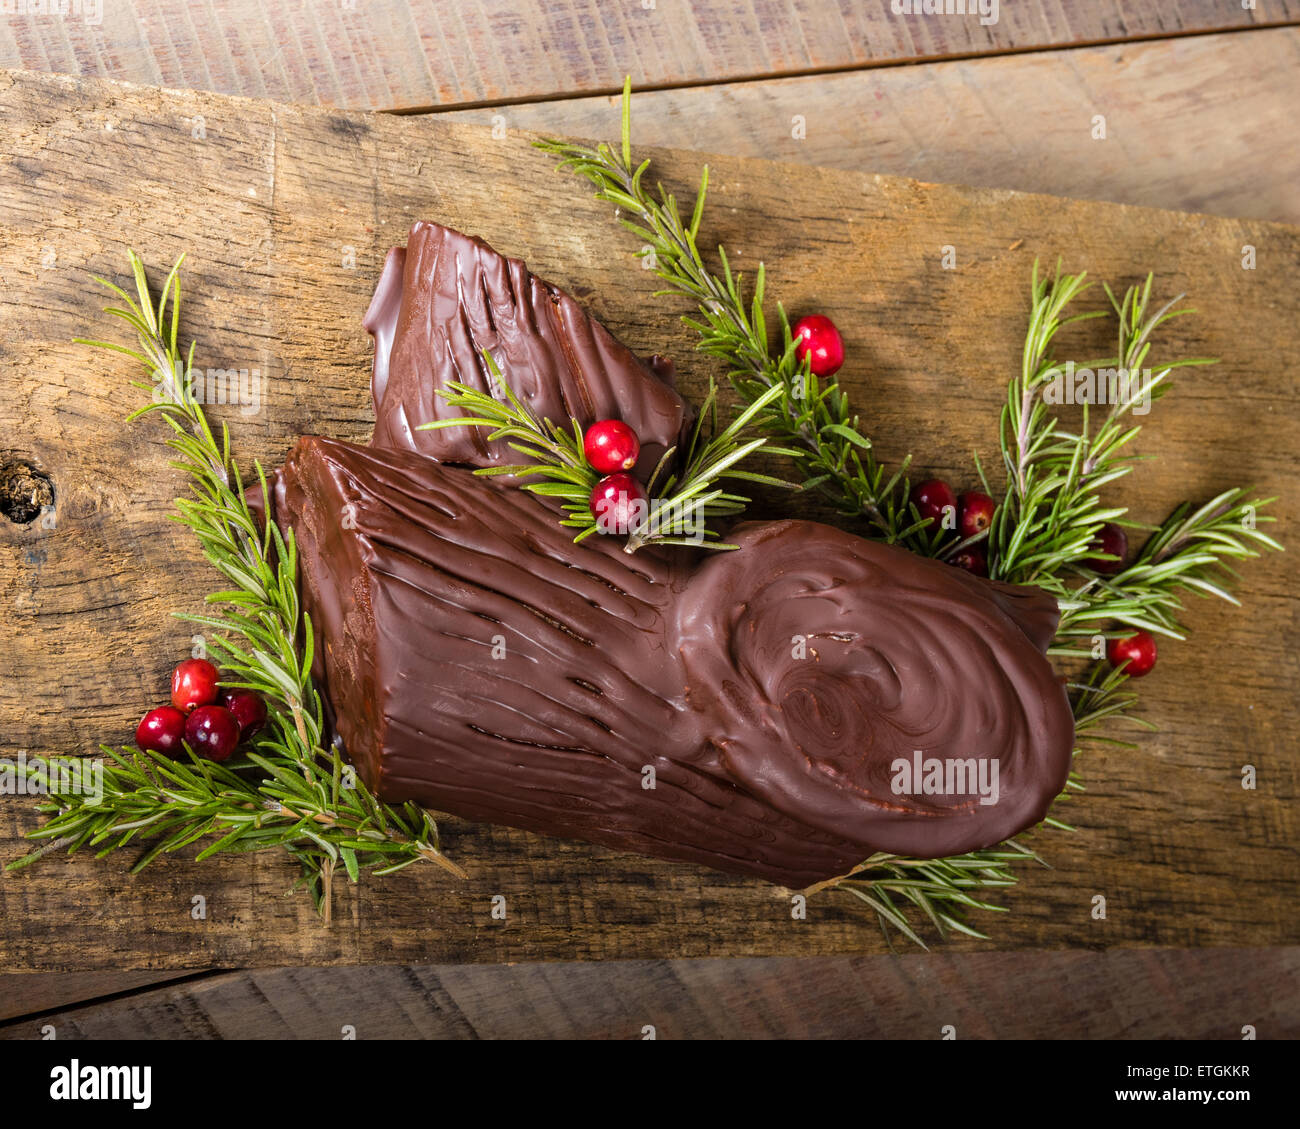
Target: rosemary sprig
[812, 419]
[1043, 530]
[1186, 554]
[1053, 509]
[687, 503]
[289, 792]
[258, 801]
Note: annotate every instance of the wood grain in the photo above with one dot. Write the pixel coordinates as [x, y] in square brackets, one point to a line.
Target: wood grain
[1183, 128]
[390, 54]
[26, 994]
[1120, 995]
[272, 199]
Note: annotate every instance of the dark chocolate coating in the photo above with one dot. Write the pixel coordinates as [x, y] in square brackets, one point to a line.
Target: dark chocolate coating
[445, 298]
[476, 661]
[480, 663]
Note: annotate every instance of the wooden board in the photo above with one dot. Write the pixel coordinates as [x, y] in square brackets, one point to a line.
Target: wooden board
[393, 54]
[1201, 994]
[1182, 128]
[268, 204]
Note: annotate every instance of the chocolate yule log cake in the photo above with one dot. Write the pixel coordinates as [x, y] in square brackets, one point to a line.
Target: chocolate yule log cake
[782, 710]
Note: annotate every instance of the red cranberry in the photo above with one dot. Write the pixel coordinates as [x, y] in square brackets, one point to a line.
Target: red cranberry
[611, 446]
[1138, 651]
[161, 731]
[972, 560]
[248, 708]
[1114, 541]
[932, 498]
[817, 339]
[618, 503]
[194, 683]
[212, 732]
[974, 513]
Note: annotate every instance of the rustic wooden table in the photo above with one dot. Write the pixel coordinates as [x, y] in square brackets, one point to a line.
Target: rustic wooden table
[1199, 102]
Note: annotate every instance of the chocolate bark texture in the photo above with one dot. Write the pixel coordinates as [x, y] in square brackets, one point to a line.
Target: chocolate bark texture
[745, 710]
[446, 298]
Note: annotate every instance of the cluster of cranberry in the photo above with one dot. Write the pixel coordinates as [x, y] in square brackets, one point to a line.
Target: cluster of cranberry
[612, 449]
[208, 717]
[934, 501]
[972, 514]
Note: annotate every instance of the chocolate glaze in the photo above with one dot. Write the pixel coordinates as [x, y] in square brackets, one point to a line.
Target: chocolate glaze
[476, 661]
[480, 663]
[446, 297]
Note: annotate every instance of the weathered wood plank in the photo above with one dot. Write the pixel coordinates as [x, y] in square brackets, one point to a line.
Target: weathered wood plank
[1120, 995]
[392, 54]
[1183, 128]
[272, 203]
[26, 994]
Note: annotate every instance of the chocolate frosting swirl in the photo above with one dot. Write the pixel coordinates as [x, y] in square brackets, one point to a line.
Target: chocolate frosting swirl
[816, 661]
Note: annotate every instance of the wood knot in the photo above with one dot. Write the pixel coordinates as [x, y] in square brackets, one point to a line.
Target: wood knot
[24, 493]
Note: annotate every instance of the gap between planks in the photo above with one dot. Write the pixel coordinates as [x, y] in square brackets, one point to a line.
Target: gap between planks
[829, 71]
